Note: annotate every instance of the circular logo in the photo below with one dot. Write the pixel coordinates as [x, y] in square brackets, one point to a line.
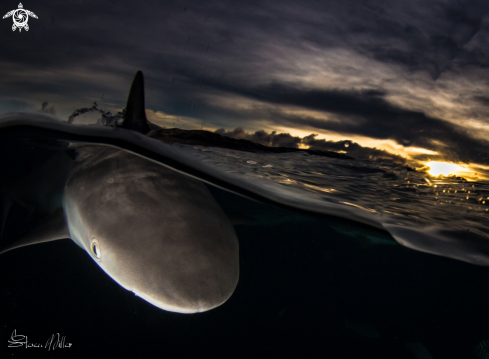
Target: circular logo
[20, 17]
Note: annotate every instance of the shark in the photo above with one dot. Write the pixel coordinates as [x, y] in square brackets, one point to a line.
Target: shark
[157, 232]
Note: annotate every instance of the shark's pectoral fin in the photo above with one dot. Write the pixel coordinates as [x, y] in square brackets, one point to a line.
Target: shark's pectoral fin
[52, 228]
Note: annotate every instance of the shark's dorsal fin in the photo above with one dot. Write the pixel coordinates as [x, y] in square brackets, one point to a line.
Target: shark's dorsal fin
[135, 118]
[52, 228]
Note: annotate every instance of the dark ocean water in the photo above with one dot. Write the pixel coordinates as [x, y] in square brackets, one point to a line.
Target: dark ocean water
[311, 284]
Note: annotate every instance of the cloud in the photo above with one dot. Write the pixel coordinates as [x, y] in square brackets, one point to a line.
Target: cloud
[166, 120]
[368, 113]
[262, 137]
[275, 139]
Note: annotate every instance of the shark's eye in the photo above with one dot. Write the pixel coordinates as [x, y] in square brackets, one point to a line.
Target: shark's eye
[95, 247]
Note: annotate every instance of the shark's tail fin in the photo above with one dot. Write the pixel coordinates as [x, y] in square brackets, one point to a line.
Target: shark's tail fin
[135, 119]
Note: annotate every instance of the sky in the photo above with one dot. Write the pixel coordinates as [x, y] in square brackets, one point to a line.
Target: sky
[401, 79]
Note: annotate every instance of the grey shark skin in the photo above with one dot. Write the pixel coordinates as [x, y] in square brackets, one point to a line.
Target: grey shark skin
[156, 232]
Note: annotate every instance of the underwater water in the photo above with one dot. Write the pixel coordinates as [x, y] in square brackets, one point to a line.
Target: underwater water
[311, 284]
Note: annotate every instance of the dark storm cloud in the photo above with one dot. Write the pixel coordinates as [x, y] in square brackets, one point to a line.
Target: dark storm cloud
[482, 99]
[421, 46]
[369, 114]
[233, 36]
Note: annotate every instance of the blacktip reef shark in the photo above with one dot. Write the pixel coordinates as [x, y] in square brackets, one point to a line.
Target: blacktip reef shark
[156, 232]
[138, 207]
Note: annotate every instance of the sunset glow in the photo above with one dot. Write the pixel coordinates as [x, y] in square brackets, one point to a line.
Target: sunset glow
[445, 169]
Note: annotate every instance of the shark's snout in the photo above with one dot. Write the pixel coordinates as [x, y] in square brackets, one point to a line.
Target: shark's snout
[185, 277]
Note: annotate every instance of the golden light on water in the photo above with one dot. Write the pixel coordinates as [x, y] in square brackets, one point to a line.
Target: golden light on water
[446, 169]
